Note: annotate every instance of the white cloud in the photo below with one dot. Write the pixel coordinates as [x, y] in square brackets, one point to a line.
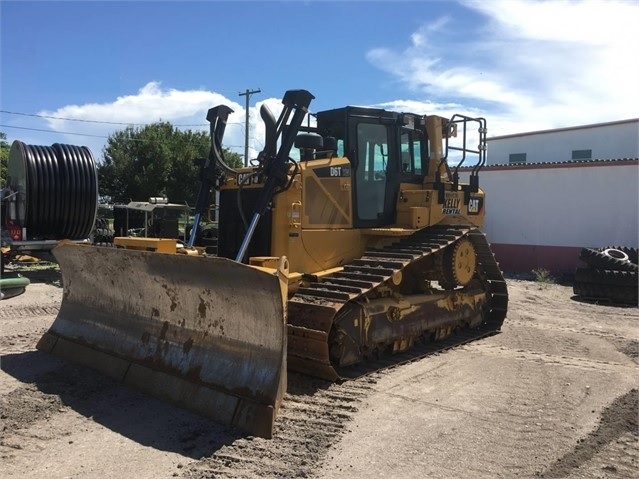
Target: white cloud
[152, 103]
[423, 107]
[185, 109]
[529, 64]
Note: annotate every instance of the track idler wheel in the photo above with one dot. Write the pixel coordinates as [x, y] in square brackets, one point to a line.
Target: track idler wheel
[458, 265]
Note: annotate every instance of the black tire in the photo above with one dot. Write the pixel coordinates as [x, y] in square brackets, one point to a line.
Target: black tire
[608, 277]
[606, 292]
[631, 252]
[209, 233]
[605, 259]
[614, 253]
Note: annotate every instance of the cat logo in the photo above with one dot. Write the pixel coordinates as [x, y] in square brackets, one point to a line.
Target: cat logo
[249, 179]
[475, 205]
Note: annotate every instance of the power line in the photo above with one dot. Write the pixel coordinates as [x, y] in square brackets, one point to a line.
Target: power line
[52, 131]
[104, 122]
[85, 134]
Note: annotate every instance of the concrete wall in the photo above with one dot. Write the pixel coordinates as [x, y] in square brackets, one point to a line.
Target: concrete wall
[540, 216]
[609, 140]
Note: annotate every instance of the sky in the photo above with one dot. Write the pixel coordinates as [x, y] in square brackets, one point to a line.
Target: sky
[77, 71]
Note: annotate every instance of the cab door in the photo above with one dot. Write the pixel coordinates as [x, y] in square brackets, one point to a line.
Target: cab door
[376, 176]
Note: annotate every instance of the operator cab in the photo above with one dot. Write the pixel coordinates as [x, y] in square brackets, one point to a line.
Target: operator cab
[385, 149]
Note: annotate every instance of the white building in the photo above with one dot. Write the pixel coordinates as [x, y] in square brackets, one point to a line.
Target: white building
[617, 139]
[542, 215]
[550, 193]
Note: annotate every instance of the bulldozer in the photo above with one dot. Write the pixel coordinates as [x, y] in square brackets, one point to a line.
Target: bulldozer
[363, 249]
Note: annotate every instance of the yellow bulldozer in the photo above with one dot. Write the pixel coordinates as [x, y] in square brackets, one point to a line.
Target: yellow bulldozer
[365, 247]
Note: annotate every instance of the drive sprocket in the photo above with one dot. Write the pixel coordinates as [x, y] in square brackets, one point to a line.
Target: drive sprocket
[458, 264]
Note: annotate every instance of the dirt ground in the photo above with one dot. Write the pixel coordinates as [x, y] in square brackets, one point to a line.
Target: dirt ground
[554, 395]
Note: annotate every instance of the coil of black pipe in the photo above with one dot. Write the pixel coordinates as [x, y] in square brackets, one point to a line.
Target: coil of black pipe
[56, 189]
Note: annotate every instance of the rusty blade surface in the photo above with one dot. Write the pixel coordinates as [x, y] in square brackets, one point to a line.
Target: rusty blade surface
[206, 333]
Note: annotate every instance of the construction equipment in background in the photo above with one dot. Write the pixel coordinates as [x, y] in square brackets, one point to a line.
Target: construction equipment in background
[156, 218]
[366, 246]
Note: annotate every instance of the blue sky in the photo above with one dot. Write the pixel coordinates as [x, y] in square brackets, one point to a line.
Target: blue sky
[524, 65]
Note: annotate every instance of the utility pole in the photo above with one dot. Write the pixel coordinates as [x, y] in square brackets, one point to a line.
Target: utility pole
[247, 94]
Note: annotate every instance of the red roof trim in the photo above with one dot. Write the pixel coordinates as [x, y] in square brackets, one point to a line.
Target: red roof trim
[562, 164]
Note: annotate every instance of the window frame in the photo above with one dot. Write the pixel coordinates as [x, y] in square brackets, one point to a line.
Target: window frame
[585, 154]
[517, 158]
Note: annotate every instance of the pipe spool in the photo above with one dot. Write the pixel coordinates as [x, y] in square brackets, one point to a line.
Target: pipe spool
[57, 189]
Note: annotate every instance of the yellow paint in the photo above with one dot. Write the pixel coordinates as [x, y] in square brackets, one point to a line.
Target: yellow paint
[159, 245]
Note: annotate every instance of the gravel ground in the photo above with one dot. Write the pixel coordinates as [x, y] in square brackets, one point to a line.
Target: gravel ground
[553, 395]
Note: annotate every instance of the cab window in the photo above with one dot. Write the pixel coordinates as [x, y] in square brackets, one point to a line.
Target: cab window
[372, 169]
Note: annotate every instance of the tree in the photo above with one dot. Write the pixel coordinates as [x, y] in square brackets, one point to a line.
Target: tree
[4, 158]
[155, 160]
[232, 159]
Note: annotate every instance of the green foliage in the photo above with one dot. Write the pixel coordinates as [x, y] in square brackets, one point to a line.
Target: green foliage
[4, 158]
[155, 160]
[232, 159]
[542, 275]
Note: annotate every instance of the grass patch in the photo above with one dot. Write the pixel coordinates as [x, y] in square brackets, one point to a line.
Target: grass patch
[542, 275]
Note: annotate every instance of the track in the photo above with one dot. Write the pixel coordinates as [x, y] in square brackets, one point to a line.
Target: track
[313, 418]
[314, 309]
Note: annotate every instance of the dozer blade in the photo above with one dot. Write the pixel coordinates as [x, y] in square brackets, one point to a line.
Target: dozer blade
[208, 334]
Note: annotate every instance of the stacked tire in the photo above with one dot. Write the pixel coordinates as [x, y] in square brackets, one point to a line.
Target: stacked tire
[611, 275]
